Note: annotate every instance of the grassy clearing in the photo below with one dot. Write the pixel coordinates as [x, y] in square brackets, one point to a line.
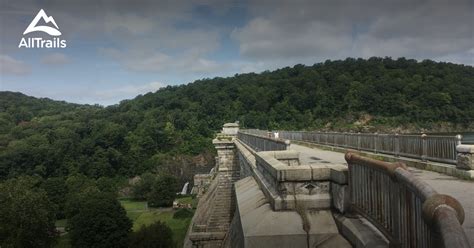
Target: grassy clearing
[141, 215]
[187, 200]
[63, 239]
[178, 226]
[61, 223]
[131, 205]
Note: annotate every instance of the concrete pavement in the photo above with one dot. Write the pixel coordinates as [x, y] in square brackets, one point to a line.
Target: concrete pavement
[462, 190]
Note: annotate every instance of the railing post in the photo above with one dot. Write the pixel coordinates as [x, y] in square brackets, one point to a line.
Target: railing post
[346, 141]
[376, 137]
[424, 147]
[395, 211]
[358, 141]
[458, 139]
[397, 146]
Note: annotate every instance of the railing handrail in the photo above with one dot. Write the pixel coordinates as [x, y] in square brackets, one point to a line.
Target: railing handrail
[438, 148]
[246, 131]
[397, 200]
[268, 144]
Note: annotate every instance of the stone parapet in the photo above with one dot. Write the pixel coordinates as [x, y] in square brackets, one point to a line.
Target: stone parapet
[465, 157]
[226, 157]
[287, 184]
[230, 129]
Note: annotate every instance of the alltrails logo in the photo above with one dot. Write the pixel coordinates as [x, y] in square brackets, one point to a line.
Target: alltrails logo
[38, 42]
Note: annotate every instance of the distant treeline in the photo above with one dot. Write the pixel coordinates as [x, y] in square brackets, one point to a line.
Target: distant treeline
[49, 138]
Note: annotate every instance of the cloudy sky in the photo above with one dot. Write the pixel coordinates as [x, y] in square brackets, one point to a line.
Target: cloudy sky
[119, 49]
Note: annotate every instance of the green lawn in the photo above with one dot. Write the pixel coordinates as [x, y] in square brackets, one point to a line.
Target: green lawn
[131, 205]
[61, 223]
[138, 212]
[188, 200]
[63, 240]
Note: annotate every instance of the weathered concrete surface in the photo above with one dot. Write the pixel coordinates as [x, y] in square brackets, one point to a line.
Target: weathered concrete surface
[260, 226]
[465, 157]
[310, 184]
[360, 232]
[230, 129]
[340, 197]
[462, 190]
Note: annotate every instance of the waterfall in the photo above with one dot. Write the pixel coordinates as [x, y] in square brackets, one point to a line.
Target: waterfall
[184, 191]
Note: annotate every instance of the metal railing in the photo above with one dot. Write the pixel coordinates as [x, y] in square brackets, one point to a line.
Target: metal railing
[259, 141]
[425, 147]
[405, 209]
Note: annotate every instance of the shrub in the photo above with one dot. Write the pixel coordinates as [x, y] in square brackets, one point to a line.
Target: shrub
[98, 220]
[156, 235]
[163, 192]
[183, 213]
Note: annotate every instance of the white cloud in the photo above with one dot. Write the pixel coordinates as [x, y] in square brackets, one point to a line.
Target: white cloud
[184, 63]
[55, 59]
[11, 66]
[266, 38]
[317, 30]
[153, 43]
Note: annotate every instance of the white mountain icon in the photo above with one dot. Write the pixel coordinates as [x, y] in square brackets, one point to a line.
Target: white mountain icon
[47, 19]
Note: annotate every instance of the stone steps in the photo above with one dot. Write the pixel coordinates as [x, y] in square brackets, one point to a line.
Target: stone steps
[223, 204]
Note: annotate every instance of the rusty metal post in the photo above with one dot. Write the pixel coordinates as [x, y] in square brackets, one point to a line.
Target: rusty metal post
[445, 215]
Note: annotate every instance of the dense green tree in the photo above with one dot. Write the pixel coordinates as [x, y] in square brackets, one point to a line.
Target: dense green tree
[98, 220]
[56, 190]
[143, 187]
[27, 216]
[107, 184]
[163, 191]
[78, 183]
[156, 235]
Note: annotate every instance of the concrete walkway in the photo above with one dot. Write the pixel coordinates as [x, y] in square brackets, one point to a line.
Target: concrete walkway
[462, 190]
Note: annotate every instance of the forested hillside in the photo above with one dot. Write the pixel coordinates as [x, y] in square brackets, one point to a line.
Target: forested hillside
[175, 124]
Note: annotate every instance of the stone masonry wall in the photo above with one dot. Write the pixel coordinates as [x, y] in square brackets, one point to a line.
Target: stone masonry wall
[221, 206]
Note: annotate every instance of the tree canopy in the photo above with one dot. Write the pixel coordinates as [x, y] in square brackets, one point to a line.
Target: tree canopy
[51, 139]
[156, 235]
[26, 214]
[96, 219]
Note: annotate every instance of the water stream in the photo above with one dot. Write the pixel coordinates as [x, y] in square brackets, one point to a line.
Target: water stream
[184, 191]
